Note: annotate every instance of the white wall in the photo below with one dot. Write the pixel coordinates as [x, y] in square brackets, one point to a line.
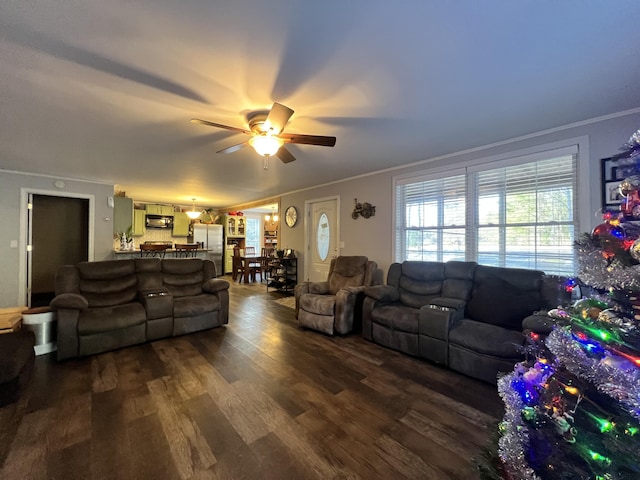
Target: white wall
[12, 259]
[373, 237]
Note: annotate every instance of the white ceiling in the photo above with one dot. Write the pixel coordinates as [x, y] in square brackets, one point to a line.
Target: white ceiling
[104, 90]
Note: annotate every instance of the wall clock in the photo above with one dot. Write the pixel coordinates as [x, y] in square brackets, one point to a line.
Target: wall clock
[291, 216]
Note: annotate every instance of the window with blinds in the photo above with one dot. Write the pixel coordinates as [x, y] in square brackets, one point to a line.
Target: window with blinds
[516, 213]
[430, 218]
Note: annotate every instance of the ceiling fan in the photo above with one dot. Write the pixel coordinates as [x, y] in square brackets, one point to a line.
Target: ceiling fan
[267, 137]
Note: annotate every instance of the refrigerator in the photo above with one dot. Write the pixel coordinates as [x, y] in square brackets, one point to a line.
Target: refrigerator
[210, 237]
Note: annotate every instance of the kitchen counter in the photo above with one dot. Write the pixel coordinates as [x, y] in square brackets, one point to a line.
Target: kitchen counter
[169, 253]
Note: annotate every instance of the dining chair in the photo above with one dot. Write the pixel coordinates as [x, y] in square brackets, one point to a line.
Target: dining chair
[266, 259]
[253, 266]
[237, 264]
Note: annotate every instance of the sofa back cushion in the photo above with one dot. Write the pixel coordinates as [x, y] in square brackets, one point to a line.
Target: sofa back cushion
[183, 276]
[108, 283]
[346, 271]
[149, 270]
[458, 279]
[417, 282]
[504, 296]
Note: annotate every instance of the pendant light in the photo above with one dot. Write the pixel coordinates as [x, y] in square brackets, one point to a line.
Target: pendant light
[193, 214]
[273, 216]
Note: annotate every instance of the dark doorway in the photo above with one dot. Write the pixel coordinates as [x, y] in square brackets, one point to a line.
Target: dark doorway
[59, 236]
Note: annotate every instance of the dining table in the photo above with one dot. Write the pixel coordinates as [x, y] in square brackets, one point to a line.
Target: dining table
[248, 262]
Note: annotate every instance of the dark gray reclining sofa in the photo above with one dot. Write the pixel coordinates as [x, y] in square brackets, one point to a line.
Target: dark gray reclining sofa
[111, 304]
[466, 316]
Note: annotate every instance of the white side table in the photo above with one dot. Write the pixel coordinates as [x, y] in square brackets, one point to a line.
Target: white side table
[42, 322]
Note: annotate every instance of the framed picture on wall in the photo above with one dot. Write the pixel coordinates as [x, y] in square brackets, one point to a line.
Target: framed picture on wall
[611, 177]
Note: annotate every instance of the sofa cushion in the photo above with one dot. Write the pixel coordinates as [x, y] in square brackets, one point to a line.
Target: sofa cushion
[195, 305]
[397, 317]
[107, 283]
[487, 339]
[183, 277]
[419, 282]
[348, 271]
[106, 319]
[318, 304]
[497, 302]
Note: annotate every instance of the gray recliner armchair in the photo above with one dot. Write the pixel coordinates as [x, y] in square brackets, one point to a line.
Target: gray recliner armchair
[335, 306]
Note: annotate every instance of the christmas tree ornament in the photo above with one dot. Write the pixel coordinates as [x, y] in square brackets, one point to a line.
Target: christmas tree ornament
[589, 308]
[629, 185]
[634, 250]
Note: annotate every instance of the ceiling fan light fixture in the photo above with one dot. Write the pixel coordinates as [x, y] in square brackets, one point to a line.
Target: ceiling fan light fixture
[266, 145]
[193, 214]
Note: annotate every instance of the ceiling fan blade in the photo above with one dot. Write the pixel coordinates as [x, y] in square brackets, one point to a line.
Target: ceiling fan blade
[219, 125]
[285, 155]
[233, 148]
[308, 139]
[277, 118]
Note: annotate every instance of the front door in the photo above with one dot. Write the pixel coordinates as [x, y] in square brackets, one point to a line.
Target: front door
[322, 237]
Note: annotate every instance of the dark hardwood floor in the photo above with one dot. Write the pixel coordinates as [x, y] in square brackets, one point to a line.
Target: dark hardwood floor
[257, 399]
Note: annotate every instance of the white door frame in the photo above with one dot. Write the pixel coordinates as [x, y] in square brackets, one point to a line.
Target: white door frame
[308, 228]
[23, 264]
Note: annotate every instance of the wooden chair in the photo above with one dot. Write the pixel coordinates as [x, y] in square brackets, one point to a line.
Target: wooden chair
[153, 250]
[266, 259]
[245, 268]
[236, 264]
[186, 250]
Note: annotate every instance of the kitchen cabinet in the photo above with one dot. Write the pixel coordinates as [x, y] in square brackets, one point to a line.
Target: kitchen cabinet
[122, 215]
[234, 226]
[138, 222]
[164, 210]
[181, 222]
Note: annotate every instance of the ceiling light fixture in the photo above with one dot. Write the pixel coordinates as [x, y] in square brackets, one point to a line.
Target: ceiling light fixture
[273, 216]
[267, 146]
[193, 214]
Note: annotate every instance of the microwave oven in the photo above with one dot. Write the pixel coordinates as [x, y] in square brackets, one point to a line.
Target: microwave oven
[159, 221]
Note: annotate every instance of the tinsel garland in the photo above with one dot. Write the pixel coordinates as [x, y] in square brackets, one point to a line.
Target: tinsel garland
[599, 272]
[515, 436]
[611, 375]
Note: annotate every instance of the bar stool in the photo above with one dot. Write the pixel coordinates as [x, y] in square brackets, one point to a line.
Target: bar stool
[153, 250]
[186, 250]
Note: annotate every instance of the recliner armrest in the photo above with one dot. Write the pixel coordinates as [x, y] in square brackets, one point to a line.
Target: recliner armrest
[355, 289]
[539, 323]
[383, 293]
[215, 285]
[72, 301]
[318, 288]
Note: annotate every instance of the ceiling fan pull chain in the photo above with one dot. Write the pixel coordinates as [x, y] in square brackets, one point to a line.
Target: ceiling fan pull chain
[265, 165]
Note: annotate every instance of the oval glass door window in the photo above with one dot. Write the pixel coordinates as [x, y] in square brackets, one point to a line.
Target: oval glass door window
[322, 240]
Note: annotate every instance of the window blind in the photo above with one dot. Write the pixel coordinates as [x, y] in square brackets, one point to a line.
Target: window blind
[432, 219]
[517, 212]
[524, 215]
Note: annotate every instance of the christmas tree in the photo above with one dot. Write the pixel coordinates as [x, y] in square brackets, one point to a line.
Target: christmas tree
[572, 409]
